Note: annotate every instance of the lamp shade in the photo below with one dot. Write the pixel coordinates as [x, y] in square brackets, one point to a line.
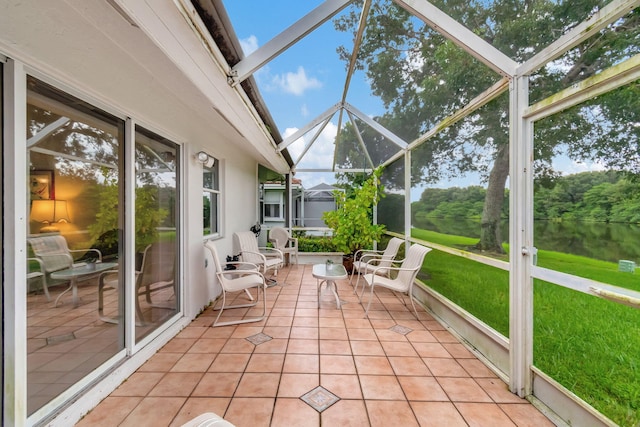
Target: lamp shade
[49, 211]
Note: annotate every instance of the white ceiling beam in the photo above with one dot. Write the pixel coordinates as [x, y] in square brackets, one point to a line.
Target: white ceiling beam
[274, 47]
[336, 170]
[376, 126]
[315, 122]
[461, 35]
[356, 47]
[313, 139]
[608, 14]
[47, 130]
[608, 80]
[485, 97]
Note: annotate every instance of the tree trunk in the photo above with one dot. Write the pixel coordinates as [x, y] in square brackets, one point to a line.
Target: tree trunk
[490, 235]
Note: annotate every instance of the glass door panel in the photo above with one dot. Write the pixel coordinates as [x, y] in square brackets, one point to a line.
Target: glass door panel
[156, 237]
[74, 154]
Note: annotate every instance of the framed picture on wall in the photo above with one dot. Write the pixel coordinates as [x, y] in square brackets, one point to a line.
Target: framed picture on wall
[41, 185]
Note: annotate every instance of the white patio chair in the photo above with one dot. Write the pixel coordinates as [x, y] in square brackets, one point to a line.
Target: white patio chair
[370, 260]
[403, 282]
[266, 259]
[283, 241]
[243, 278]
[157, 272]
[52, 254]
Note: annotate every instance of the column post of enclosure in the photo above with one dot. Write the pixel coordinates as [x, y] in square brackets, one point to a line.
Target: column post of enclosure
[520, 239]
[407, 197]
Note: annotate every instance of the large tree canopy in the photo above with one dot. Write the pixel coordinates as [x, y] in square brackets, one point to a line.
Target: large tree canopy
[422, 78]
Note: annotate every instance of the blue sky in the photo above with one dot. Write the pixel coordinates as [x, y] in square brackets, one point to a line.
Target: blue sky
[309, 78]
[304, 81]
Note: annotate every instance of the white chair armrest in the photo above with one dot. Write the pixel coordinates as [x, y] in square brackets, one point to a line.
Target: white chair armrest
[261, 255]
[271, 252]
[390, 269]
[365, 252]
[89, 250]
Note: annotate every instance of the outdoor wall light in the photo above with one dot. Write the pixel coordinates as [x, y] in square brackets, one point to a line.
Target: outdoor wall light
[205, 159]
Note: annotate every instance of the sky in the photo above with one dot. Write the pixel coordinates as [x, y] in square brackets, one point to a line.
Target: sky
[303, 82]
[308, 78]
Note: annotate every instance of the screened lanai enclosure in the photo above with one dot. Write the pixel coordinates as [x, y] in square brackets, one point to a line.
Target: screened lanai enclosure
[506, 134]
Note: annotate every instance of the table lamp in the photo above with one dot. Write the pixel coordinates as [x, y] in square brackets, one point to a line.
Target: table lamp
[49, 212]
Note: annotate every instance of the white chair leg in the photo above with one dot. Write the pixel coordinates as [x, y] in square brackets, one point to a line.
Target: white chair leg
[413, 305]
[252, 319]
[366, 311]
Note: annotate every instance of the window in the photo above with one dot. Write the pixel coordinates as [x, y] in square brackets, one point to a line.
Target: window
[273, 205]
[211, 199]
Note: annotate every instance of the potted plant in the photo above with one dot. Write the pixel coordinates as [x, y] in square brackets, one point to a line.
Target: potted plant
[352, 221]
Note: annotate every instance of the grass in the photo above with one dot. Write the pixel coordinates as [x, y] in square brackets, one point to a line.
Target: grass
[589, 345]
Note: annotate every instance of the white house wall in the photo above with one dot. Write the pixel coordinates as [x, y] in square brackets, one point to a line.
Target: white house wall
[84, 47]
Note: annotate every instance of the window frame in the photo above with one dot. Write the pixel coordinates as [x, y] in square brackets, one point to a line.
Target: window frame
[279, 204]
[214, 192]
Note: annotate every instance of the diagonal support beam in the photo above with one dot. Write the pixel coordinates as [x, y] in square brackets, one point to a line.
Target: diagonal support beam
[356, 47]
[605, 16]
[274, 47]
[360, 140]
[312, 141]
[315, 122]
[461, 35]
[376, 126]
[485, 97]
[47, 130]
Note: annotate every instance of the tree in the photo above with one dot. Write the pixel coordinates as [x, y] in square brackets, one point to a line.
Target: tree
[421, 77]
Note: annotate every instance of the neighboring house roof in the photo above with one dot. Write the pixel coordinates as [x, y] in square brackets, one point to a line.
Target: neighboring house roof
[320, 191]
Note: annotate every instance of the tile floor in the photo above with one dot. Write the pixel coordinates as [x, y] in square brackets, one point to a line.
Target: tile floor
[309, 366]
[67, 342]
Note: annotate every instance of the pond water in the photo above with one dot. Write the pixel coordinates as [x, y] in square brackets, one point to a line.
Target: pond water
[607, 242]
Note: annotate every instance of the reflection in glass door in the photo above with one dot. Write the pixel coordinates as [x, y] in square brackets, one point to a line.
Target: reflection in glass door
[156, 239]
[74, 240]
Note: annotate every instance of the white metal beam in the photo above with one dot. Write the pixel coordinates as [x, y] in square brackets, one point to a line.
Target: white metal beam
[485, 97]
[520, 240]
[360, 140]
[356, 47]
[608, 14]
[47, 130]
[14, 261]
[606, 81]
[461, 35]
[310, 143]
[407, 197]
[376, 126]
[274, 47]
[313, 123]
[336, 170]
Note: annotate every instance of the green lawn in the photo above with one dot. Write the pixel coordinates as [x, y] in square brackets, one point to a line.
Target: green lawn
[589, 345]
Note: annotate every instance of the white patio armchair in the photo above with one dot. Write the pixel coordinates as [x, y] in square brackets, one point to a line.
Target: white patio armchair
[378, 261]
[403, 281]
[244, 277]
[283, 241]
[266, 259]
[52, 254]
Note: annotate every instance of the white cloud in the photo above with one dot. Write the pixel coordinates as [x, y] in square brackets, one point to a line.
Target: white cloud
[296, 83]
[569, 167]
[249, 45]
[319, 156]
[304, 110]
